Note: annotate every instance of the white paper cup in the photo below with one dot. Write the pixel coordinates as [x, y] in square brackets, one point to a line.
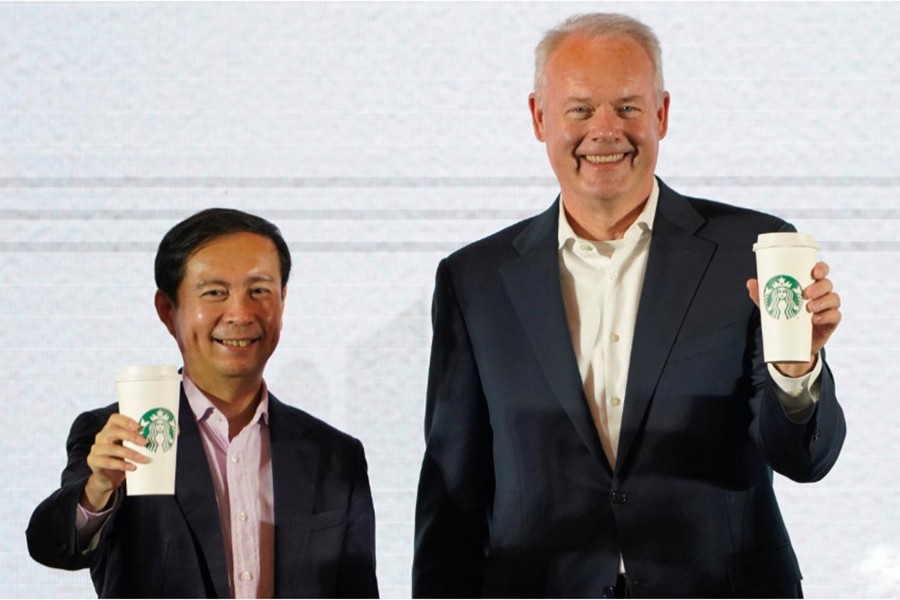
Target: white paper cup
[150, 395]
[784, 264]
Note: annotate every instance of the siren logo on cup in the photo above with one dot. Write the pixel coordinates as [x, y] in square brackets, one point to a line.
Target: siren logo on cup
[158, 428]
[783, 297]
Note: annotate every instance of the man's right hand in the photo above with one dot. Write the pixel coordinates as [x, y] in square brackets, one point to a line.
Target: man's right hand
[109, 460]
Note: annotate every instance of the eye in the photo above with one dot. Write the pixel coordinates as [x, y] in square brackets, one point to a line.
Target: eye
[260, 291]
[214, 294]
[628, 110]
[580, 112]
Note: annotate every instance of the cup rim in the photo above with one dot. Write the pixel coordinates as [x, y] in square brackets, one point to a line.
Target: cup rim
[148, 373]
[784, 239]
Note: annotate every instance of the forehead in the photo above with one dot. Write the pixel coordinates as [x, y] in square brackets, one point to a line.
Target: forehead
[236, 254]
[610, 62]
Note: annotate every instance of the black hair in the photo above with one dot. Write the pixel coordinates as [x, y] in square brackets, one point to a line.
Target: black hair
[183, 240]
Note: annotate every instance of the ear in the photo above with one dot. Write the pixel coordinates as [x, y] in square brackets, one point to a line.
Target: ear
[165, 309]
[662, 116]
[283, 293]
[537, 116]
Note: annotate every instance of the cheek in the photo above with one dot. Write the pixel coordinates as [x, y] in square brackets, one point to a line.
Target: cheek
[565, 139]
[273, 334]
[570, 134]
[197, 321]
[276, 323]
[644, 132]
[572, 138]
[271, 317]
[199, 317]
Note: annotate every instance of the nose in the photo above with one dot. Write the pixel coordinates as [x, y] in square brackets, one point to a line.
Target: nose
[605, 125]
[239, 310]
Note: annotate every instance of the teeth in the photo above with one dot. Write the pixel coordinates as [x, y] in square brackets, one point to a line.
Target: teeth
[236, 343]
[604, 158]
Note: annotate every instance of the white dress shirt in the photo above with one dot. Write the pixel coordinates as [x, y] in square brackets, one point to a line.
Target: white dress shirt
[601, 283]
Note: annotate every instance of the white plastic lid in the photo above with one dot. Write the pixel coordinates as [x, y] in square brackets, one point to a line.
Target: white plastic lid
[785, 239]
[148, 373]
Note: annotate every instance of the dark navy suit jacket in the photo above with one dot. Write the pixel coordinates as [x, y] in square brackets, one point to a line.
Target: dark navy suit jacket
[172, 546]
[516, 497]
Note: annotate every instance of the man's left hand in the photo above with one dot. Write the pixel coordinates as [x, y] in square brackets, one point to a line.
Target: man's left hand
[823, 303]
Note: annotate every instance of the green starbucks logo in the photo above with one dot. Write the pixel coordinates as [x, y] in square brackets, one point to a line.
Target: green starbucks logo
[783, 297]
[158, 428]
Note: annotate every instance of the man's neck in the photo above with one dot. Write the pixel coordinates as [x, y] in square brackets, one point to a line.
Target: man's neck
[602, 223]
[237, 400]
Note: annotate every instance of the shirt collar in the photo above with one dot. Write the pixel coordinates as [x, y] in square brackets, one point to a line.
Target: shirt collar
[644, 221]
[203, 408]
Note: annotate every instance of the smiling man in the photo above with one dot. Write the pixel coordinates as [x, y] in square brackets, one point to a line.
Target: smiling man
[599, 419]
[269, 501]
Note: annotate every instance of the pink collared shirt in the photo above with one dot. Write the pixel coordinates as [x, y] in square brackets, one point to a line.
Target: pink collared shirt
[242, 478]
[241, 472]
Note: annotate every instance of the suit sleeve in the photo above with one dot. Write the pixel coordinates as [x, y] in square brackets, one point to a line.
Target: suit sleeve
[51, 534]
[356, 575]
[456, 482]
[804, 451]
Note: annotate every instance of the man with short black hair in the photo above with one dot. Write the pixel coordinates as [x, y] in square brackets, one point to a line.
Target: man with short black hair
[269, 501]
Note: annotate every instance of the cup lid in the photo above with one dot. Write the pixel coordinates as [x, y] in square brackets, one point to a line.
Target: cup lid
[148, 373]
[785, 239]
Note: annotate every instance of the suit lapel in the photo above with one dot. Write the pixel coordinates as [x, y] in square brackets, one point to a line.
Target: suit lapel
[532, 283]
[195, 495]
[678, 259]
[294, 469]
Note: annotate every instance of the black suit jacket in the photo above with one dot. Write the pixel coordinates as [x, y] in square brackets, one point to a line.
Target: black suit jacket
[516, 497]
[172, 546]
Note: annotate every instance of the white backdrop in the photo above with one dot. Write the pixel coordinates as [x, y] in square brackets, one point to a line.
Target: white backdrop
[381, 137]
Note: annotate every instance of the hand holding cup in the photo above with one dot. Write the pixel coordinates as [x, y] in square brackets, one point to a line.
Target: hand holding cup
[820, 302]
[109, 460]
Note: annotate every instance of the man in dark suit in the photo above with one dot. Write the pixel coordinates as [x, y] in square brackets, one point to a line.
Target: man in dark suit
[599, 419]
[269, 501]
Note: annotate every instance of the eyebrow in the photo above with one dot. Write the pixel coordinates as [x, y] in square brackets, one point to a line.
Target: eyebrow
[223, 283]
[633, 98]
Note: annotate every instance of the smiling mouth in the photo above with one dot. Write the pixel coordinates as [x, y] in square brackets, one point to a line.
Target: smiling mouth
[243, 343]
[599, 159]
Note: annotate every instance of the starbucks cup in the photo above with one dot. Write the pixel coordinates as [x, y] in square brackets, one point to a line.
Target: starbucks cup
[150, 395]
[784, 264]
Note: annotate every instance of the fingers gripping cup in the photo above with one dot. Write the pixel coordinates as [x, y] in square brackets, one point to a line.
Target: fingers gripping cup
[150, 395]
[784, 264]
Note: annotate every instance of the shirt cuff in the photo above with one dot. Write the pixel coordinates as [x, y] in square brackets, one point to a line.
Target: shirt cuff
[89, 524]
[798, 395]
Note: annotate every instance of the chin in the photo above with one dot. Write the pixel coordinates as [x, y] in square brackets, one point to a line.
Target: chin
[239, 371]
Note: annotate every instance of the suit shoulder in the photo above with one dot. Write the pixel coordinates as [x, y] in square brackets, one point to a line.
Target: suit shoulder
[714, 211]
[731, 226]
[92, 421]
[496, 244]
[98, 413]
[481, 259]
[301, 420]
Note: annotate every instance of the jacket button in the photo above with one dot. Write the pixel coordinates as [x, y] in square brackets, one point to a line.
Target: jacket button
[609, 592]
[619, 497]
